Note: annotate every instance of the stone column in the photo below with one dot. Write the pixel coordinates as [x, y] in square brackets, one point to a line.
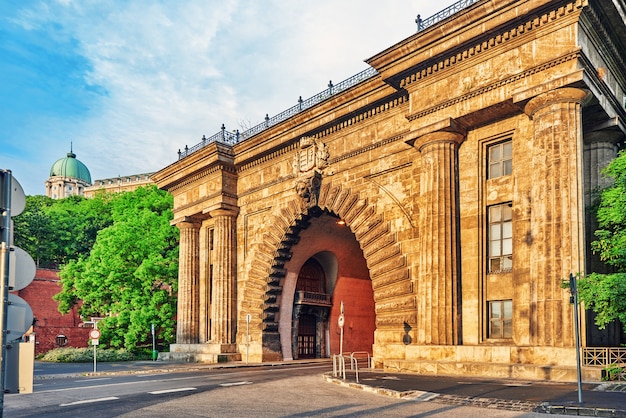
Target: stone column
[224, 307]
[438, 283]
[556, 236]
[187, 324]
[599, 150]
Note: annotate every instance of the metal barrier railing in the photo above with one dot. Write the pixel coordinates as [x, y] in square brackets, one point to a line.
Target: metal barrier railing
[339, 363]
[339, 366]
[357, 355]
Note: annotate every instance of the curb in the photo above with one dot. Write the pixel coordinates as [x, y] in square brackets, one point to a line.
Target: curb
[422, 396]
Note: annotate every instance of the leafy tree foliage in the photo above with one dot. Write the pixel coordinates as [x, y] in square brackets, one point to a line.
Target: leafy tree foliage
[606, 293]
[129, 277]
[33, 230]
[54, 232]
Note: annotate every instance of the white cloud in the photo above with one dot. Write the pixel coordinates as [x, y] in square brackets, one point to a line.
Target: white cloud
[173, 71]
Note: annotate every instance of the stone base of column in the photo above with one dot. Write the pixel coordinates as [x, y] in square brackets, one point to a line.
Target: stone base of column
[201, 353]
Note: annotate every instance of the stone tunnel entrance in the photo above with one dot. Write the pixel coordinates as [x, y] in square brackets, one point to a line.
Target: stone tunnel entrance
[327, 268]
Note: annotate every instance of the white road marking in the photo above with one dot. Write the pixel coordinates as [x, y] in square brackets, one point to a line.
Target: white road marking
[160, 392]
[115, 384]
[93, 380]
[225, 385]
[110, 398]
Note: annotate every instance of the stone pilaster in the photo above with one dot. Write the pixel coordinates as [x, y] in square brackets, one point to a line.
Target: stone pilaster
[224, 306]
[187, 324]
[438, 283]
[556, 236]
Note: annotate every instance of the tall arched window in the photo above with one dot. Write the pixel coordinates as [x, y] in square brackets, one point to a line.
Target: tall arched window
[311, 278]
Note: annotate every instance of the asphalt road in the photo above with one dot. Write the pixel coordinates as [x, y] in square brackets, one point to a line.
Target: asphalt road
[296, 390]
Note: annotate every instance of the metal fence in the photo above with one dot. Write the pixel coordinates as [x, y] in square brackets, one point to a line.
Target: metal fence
[604, 356]
[444, 14]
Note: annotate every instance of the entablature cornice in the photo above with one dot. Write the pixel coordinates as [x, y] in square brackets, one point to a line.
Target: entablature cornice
[189, 180]
[503, 108]
[612, 54]
[211, 158]
[307, 121]
[515, 33]
[608, 20]
[200, 208]
[384, 105]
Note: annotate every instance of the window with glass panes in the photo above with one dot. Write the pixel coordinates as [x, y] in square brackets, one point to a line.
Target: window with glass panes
[500, 159]
[500, 319]
[500, 238]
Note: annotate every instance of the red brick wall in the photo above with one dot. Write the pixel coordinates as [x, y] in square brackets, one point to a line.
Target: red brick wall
[360, 318]
[50, 322]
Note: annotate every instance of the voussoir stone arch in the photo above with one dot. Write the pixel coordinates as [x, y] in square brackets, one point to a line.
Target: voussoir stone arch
[393, 289]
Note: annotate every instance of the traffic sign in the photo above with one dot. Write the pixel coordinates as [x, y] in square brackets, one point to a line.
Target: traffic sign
[18, 198]
[340, 321]
[17, 270]
[22, 269]
[94, 334]
[19, 317]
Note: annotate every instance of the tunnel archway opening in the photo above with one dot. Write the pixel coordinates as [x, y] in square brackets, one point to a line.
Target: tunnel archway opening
[327, 268]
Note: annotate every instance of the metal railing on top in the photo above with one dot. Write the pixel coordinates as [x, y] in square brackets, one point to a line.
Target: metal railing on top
[444, 14]
[231, 138]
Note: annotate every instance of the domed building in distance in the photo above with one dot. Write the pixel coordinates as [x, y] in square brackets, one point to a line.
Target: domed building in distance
[68, 177]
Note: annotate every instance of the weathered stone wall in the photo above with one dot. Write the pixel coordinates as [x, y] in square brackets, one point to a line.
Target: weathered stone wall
[402, 158]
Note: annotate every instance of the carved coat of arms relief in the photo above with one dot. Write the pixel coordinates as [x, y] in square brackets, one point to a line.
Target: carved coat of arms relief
[309, 163]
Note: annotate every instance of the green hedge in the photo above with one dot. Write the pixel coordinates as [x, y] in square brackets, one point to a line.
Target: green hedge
[84, 355]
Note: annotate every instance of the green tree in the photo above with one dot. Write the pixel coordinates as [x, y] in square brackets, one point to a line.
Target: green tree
[33, 230]
[57, 231]
[130, 276]
[76, 221]
[605, 294]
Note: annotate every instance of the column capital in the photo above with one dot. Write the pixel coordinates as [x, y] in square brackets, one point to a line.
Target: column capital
[562, 95]
[187, 222]
[438, 137]
[222, 210]
[610, 136]
[445, 130]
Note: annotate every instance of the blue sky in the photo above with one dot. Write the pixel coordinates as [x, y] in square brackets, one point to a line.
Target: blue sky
[129, 82]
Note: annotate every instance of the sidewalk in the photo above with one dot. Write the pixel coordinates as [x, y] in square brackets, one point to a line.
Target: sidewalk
[599, 399]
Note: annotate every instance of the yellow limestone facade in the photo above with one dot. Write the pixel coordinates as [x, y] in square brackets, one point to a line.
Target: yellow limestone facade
[461, 170]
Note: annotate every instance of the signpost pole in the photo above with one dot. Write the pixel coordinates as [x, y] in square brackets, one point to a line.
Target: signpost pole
[574, 292]
[248, 318]
[5, 221]
[340, 322]
[94, 335]
[154, 351]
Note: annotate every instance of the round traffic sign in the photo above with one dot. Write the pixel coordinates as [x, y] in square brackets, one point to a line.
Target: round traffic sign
[22, 269]
[19, 316]
[340, 321]
[94, 334]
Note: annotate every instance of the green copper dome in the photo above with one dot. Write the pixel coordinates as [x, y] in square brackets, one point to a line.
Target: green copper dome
[71, 167]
